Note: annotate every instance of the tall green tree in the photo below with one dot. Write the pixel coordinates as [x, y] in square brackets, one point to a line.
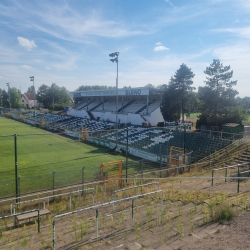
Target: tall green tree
[5, 99]
[182, 82]
[178, 93]
[15, 98]
[218, 96]
[170, 106]
[43, 95]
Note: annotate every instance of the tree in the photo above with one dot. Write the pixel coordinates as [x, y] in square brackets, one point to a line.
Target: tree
[15, 98]
[218, 96]
[43, 95]
[149, 85]
[178, 94]
[5, 99]
[31, 89]
[170, 106]
[182, 82]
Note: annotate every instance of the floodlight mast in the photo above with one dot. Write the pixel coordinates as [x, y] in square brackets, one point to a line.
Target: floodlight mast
[32, 79]
[116, 54]
[8, 84]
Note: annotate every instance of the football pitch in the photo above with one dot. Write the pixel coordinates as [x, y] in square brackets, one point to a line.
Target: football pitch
[39, 156]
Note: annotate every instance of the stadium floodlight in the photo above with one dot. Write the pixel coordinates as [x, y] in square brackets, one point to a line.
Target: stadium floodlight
[116, 54]
[8, 84]
[32, 79]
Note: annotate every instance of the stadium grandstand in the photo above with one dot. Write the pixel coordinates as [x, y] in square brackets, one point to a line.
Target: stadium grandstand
[136, 106]
[138, 116]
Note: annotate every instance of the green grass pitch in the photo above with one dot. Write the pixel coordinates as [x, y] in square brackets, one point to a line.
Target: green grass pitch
[39, 155]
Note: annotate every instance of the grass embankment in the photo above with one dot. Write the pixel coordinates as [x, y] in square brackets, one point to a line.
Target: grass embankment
[39, 155]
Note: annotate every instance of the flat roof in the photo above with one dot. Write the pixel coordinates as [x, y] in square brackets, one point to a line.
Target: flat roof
[141, 91]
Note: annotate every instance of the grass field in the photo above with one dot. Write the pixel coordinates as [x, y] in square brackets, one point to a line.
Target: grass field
[39, 155]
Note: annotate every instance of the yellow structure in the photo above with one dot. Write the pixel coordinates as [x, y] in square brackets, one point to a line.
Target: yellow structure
[112, 163]
[43, 122]
[85, 133]
[21, 117]
[175, 154]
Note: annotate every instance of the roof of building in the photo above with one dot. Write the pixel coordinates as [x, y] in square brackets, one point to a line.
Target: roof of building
[141, 91]
[30, 96]
[231, 125]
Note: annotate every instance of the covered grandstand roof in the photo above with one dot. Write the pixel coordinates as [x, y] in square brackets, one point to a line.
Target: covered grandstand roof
[144, 91]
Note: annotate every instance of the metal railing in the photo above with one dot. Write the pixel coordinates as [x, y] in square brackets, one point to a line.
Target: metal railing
[102, 205]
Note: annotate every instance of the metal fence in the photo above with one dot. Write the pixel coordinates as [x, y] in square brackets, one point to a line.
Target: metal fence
[35, 162]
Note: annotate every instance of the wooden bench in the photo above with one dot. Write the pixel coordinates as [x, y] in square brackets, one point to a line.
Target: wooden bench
[31, 215]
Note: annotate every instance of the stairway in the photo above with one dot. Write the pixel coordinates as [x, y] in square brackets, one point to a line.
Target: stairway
[98, 105]
[144, 107]
[125, 106]
[91, 115]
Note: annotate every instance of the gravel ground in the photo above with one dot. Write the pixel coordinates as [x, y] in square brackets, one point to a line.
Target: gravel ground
[235, 236]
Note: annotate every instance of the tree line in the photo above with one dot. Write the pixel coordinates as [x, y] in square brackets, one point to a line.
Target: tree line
[50, 97]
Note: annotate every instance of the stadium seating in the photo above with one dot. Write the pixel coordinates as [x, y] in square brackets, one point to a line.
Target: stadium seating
[159, 141]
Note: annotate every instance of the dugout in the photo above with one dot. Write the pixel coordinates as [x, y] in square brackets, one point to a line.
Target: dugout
[230, 129]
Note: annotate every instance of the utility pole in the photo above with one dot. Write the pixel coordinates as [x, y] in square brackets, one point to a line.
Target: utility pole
[32, 78]
[9, 93]
[115, 59]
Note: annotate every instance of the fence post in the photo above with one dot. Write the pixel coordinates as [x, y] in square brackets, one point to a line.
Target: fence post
[96, 217]
[142, 162]
[238, 188]
[127, 158]
[53, 234]
[226, 175]
[132, 213]
[137, 196]
[38, 221]
[212, 178]
[54, 181]
[19, 182]
[15, 142]
[180, 187]
[160, 160]
[70, 201]
[83, 180]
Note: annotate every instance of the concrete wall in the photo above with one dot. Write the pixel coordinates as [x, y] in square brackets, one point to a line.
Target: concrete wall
[79, 113]
[134, 119]
[156, 117]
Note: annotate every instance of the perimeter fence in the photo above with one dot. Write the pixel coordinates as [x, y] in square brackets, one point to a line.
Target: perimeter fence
[47, 161]
[34, 162]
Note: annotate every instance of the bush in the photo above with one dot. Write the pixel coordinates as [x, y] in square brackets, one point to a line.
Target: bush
[221, 214]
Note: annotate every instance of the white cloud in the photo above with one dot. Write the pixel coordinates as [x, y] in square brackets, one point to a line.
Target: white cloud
[168, 1]
[48, 68]
[26, 43]
[160, 48]
[1, 77]
[26, 67]
[241, 32]
[159, 43]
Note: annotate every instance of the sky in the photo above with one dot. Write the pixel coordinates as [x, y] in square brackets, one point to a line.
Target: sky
[68, 42]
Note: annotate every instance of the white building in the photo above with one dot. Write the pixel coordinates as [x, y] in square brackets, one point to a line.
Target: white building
[28, 100]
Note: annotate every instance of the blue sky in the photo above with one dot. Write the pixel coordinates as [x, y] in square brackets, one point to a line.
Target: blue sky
[68, 41]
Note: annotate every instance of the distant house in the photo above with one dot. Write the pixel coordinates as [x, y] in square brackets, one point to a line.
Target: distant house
[28, 100]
